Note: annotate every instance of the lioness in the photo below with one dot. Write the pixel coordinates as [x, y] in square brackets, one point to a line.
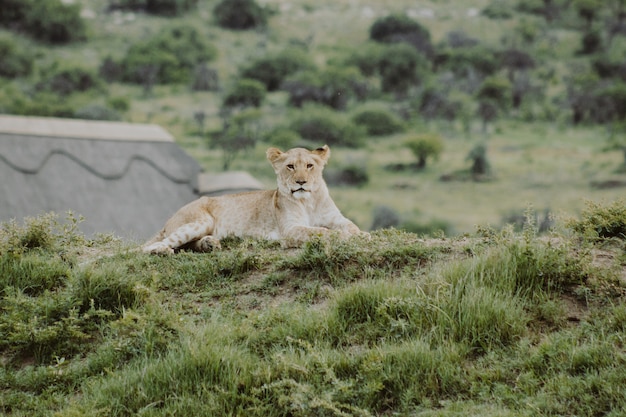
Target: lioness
[300, 208]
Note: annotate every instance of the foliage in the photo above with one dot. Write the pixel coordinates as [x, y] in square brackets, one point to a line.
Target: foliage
[16, 62]
[273, 69]
[169, 57]
[600, 222]
[240, 14]
[378, 121]
[401, 67]
[480, 163]
[246, 92]
[97, 112]
[333, 87]
[158, 7]
[425, 146]
[239, 133]
[384, 218]
[408, 324]
[498, 9]
[52, 21]
[65, 80]
[401, 28]
[282, 137]
[322, 125]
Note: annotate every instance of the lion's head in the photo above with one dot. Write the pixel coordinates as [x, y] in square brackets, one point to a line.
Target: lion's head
[298, 170]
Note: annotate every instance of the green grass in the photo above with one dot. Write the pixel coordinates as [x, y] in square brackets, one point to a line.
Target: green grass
[496, 323]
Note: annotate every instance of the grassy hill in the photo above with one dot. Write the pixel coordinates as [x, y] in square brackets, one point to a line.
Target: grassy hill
[538, 155]
[496, 323]
[480, 321]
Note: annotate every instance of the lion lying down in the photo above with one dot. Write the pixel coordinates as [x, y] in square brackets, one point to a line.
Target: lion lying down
[299, 209]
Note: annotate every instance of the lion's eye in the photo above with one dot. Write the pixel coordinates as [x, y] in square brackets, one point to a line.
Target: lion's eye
[290, 166]
[309, 166]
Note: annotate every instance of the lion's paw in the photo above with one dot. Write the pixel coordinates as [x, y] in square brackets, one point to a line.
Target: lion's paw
[158, 248]
[208, 244]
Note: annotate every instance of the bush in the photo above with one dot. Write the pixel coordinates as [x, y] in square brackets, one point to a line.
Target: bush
[378, 122]
[16, 61]
[324, 126]
[384, 218]
[599, 222]
[425, 146]
[466, 62]
[173, 55]
[97, 112]
[54, 22]
[333, 87]
[353, 175]
[401, 28]
[498, 9]
[401, 67]
[273, 69]
[240, 14]
[158, 7]
[246, 92]
[68, 80]
[366, 58]
[282, 137]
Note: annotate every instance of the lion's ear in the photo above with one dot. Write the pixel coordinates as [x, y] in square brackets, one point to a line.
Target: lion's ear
[323, 152]
[273, 154]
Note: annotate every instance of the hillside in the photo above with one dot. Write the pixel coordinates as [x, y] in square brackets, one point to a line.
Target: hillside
[537, 85]
[497, 323]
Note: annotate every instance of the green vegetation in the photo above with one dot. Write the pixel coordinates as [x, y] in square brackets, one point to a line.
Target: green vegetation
[497, 323]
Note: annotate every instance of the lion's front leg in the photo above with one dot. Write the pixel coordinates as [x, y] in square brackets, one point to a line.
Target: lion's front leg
[298, 235]
[181, 236]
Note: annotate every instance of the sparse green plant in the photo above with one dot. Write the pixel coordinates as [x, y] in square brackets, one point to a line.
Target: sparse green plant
[15, 61]
[401, 28]
[240, 14]
[322, 125]
[378, 121]
[246, 92]
[273, 69]
[425, 146]
[601, 221]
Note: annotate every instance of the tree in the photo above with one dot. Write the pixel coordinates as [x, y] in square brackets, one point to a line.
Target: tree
[239, 133]
[494, 96]
[401, 67]
[480, 164]
[425, 146]
[401, 28]
[240, 14]
[246, 92]
[272, 70]
[16, 61]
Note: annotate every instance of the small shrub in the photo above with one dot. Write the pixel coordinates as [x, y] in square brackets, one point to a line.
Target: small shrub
[246, 92]
[600, 222]
[378, 122]
[334, 87]
[68, 80]
[282, 137]
[401, 28]
[498, 9]
[353, 175]
[384, 218]
[173, 55]
[240, 14]
[323, 125]
[272, 70]
[97, 112]
[16, 62]
[401, 67]
[425, 146]
[54, 22]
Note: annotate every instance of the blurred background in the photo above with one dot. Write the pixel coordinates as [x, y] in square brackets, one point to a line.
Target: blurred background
[442, 115]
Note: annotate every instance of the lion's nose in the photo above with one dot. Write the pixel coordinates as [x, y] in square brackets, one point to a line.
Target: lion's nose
[300, 182]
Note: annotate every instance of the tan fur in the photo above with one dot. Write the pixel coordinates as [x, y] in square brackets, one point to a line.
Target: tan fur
[298, 209]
